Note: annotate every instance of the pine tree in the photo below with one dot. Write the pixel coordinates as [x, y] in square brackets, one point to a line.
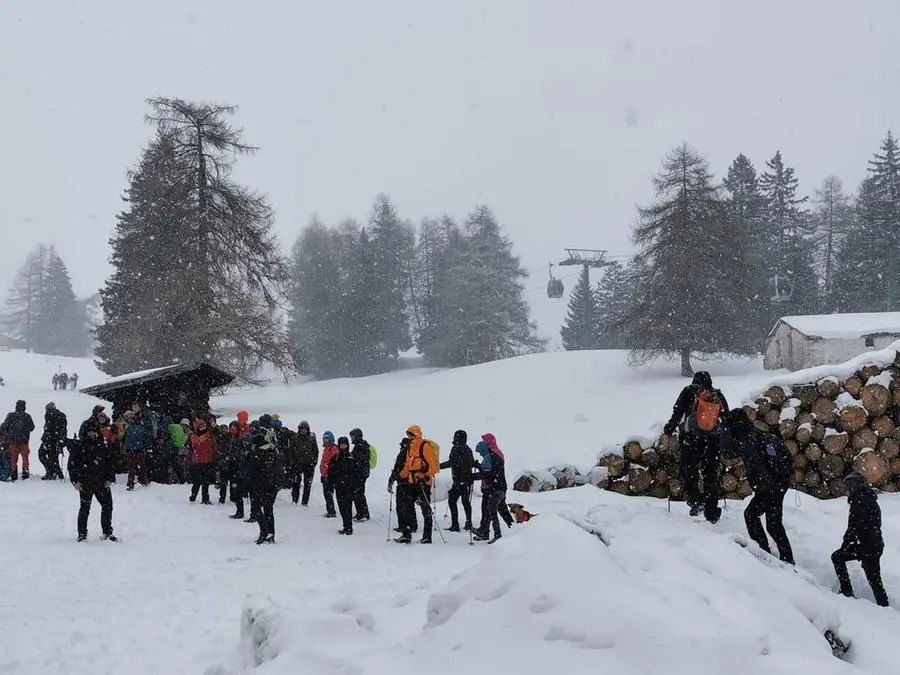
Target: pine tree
[832, 220]
[693, 290]
[582, 328]
[24, 299]
[186, 216]
[884, 169]
[616, 295]
[60, 321]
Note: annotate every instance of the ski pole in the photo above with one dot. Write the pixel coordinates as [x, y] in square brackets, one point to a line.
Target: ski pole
[433, 514]
[390, 514]
[471, 524]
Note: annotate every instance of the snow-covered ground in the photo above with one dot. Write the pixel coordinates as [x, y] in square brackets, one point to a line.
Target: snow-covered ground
[665, 595]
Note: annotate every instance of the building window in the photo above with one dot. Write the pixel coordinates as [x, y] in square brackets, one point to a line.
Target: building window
[870, 341]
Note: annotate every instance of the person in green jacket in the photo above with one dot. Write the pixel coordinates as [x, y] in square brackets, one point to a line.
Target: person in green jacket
[178, 439]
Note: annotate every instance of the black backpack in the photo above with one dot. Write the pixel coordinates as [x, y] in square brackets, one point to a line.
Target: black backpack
[779, 462]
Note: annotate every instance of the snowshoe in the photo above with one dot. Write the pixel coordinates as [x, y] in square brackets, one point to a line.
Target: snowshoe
[403, 539]
[81, 538]
[109, 537]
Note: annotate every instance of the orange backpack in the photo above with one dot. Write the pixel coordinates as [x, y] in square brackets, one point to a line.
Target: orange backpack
[707, 409]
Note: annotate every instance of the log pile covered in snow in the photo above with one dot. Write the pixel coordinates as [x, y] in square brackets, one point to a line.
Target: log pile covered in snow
[832, 424]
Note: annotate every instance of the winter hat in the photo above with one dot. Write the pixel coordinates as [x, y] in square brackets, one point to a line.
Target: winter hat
[51, 406]
[328, 436]
[304, 426]
[343, 441]
[482, 448]
[854, 481]
[460, 437]
[185, 422]
[265, 420]
[276, 424]
[702, 379]
[97, 410]
[356, 434]
[243, 417]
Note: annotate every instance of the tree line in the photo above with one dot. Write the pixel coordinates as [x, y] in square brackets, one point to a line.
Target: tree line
[719, 261]
[41, 312]
[198, 274]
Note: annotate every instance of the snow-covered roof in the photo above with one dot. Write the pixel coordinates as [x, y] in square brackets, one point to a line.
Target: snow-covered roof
[847, 326]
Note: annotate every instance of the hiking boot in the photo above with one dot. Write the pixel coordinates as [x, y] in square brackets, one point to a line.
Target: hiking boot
[13, 475]
[130, 488]
[453, 528]
[261, 540]
[221, 500]
[479, 536]
[695, 511]
[345, 531]
[329, 515]
[25, 475]
[404, 538]
[207, 502]
[191, 499]
[426, 539]
[360, 519]
[495, 538]
[81, 538]
[48, 477]
[237, 516]
[251, 519]
[270, 539]
[468, 526]
[109, 537]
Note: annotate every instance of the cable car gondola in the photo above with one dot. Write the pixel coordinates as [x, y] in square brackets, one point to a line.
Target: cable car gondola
[555, 288]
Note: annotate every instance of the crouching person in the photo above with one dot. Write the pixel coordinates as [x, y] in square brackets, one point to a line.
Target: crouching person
[863, 540]
[770, 468]
[92, 471]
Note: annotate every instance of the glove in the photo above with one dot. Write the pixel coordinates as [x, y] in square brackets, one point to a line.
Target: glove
[106, 484]
[669, 429]
[390, 487]
[77, 486]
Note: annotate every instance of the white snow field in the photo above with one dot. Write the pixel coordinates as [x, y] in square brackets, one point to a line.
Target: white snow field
[186, 590]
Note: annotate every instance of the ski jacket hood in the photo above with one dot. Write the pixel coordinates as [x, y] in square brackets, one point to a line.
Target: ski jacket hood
[304, 426]
[416, 431]
[20, 406]
[702, 379]
[243, 417]
[460, 437]
[329, 437]
[491, 441]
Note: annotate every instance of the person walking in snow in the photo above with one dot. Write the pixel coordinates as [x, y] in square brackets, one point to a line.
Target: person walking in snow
[406, 517]
[863, 540]
[63, 381]
[15, 432]
[418, 473]
[74, 381]
[492, 473]
[362, 463]
[92, 471]
[265, 481]
[342, 476]
[697, 414]
[461, 463]
[203, 460]
[769, 468]
[55, 381]
[329, 452]
[52, 441]
[306, 455]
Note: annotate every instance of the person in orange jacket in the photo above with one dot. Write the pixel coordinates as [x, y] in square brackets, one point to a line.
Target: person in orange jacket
[418, 471]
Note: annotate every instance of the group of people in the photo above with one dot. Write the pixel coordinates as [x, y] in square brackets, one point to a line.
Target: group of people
[62, 381]
[711, 434]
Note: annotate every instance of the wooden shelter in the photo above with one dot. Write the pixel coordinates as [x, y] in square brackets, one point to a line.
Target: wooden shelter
[177, 391]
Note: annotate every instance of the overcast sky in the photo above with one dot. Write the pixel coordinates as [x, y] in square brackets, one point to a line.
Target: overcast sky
[555, 113]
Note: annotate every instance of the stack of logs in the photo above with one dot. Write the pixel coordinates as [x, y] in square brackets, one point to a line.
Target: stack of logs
[831, 427]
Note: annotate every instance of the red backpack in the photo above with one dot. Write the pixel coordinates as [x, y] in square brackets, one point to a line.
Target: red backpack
[706, 412]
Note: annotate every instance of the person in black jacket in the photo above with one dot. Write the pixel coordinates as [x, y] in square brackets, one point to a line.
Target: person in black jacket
[342, 474]
[460, 463]
[769, 468]
[15, 432]
[306, 456]
[406, 518]
[52, 441]
[264, 481]
[92, 470]
[699, 446]
[863, 540]
[362, 456]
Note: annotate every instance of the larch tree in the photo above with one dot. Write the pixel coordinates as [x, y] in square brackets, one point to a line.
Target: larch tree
[693, 290]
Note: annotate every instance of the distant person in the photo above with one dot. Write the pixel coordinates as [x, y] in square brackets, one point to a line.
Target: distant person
[461, 463]
[74, 381]
[15, 432]
[203, 460]
[52, 442]
[138, 440]
[307, 454]
[63, 381]
[769, 468]
[362, 464]
[55, 381]
[863, 540]
[329, 452]
[92, 471]
[697, 414]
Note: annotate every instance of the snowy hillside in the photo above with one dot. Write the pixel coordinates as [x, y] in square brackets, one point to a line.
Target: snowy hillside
[185, 590]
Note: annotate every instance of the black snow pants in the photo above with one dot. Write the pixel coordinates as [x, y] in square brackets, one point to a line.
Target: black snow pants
[104, 498]
[359, 499]
[328, 493]
[768, 503]
[460, 491]
[264, 502]
[345, 506]
[700, 457]
[489, 514]
[871, 565]
[202, 475]
[302, 475]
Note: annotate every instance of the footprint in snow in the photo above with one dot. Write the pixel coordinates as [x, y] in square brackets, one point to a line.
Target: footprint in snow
[543, 603]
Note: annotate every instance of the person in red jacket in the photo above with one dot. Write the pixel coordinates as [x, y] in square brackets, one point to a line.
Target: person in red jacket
[203, 460]
[329, 452]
